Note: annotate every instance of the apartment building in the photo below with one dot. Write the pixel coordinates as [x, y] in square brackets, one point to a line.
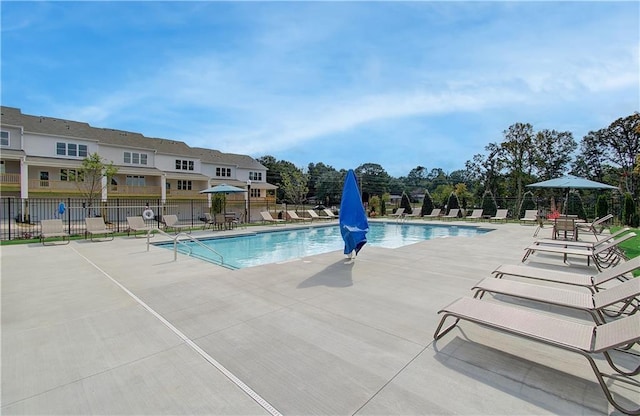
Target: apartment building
[39, 157]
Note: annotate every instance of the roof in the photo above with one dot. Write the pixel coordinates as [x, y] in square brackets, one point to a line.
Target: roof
[67, 128]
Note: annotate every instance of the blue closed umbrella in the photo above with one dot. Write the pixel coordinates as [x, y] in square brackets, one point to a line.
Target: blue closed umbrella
[353, 220]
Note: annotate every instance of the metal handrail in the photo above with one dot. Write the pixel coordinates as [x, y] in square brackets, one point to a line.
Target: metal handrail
[176, 240]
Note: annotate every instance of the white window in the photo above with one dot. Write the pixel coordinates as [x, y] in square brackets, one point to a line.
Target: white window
[61, 149]
[82, 150]
[135, 158]
[71, 149]
[223, 172]
[184, 164]
[135, 180]
[184, 185]
[127, 157]
[255, 176]
[143, 159]
[4, 138]
[255, 193]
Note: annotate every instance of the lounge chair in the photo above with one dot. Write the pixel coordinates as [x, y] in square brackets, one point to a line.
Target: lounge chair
[293, 216]
[586, 340]
[171, 221]
[209, 221]
[475, 215]
[588, 244]
[267, 218]
[330, 213]
[416, 212]
[453, 214]
[398, 214]
[435, 213]
[596, 227]
[593, 303]
[530, 217]
[314, 215]
[603, 255]
[137, 225]
[96, 227]
[501, 215]
[53, 228]
[621, 272]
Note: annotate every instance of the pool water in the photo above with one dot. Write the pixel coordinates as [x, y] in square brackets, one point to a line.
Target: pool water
[281, 246]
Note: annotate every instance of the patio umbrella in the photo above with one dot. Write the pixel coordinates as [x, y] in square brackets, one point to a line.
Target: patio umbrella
[223, 188]
[569, 182]
[353, 219]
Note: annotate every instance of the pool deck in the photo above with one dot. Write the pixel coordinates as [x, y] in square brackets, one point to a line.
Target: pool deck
[111, 328]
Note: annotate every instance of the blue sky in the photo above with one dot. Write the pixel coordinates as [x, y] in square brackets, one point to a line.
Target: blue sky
[400, 84]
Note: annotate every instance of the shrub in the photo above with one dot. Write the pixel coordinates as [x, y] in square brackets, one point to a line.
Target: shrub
[406, 204]
[629, 211]
[427, 204]
[489, 205]
[527, 203]
[453, 202]
[602, 206]
[575, 206]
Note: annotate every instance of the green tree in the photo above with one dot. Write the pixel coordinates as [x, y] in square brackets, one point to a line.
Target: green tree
[294, 186]
[575, 205]
[92, 178]
[406, 204]
[602, 206]
[489, 205]
[374, 180]
[629, 211]
[453, 202]
[553, 153]
[623, 141]
[427, 204]
[517, 156]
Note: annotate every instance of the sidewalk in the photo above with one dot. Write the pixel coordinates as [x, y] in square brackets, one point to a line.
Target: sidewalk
[109, 328]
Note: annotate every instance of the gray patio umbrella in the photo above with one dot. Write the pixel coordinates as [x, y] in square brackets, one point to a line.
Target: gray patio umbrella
[223, 188]
[569, 182]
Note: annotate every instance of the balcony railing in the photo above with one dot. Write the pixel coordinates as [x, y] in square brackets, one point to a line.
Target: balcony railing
[9, 178]
[134, 190]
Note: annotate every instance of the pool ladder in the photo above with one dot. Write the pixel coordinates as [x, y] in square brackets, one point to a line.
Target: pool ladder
[177, 241]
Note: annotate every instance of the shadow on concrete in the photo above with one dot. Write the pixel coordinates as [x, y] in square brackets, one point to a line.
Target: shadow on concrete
[337, 274]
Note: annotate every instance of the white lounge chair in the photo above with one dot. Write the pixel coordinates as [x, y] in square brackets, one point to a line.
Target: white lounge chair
[530, 217]
[501, 215]
[435, 213]
[569, 335]
[314, 215]
[475, 215]
[171, 221]
[398, 214]
[97, 227]
[452, 215]
[293, 216]
[330, 213]
[53, 228]
[137, 225]
[596, 227]
[267, 218]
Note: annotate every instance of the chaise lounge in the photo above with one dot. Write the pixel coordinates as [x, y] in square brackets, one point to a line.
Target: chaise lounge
[137, 225]
[53, 228]
[96, 227]
[171, 221]
[573, 336]
[267, 218]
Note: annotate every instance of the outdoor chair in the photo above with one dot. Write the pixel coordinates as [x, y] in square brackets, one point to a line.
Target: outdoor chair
[603, 255]
[475, 215]
[96, 227]
[501, 215]
[435, 213]
[622, 272]
[330, 213]
[622, 295]
[267, 218]
[53, 228]
[530, 217]
[314, 215]
[209, 221]
[137, 225]
[596, 227]
[171, 221]
[453, 214]
[398, 214]
[293, 216]
[569, 335]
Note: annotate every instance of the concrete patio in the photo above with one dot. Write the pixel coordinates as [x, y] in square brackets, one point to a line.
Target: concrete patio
[111, 328]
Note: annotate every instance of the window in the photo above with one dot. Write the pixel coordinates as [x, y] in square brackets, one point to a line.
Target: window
[255, 193]
[255, 176]
[226, 172]
[135, 158]
[2, 169]
[44, 178]
[184, 185]
[68, 175]
[184, 164]
[4, 138]
[135, 180]
[71, 149]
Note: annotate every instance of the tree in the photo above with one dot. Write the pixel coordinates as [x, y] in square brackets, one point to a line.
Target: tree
[591, 161]
[427, 204]
[553, 153]
[517, 154]
[406, 204]
[623, 140]
[602, 206]
[93, 177]
[489, 205]
[374, 180]
[329, 187]
[294, 186]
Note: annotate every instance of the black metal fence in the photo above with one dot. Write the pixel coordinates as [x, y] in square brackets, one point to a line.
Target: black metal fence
[20, 218]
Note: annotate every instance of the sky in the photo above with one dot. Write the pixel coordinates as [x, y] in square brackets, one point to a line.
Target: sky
[399, 84]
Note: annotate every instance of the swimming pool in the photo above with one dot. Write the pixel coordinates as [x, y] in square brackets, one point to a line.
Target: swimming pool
[285, 245]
